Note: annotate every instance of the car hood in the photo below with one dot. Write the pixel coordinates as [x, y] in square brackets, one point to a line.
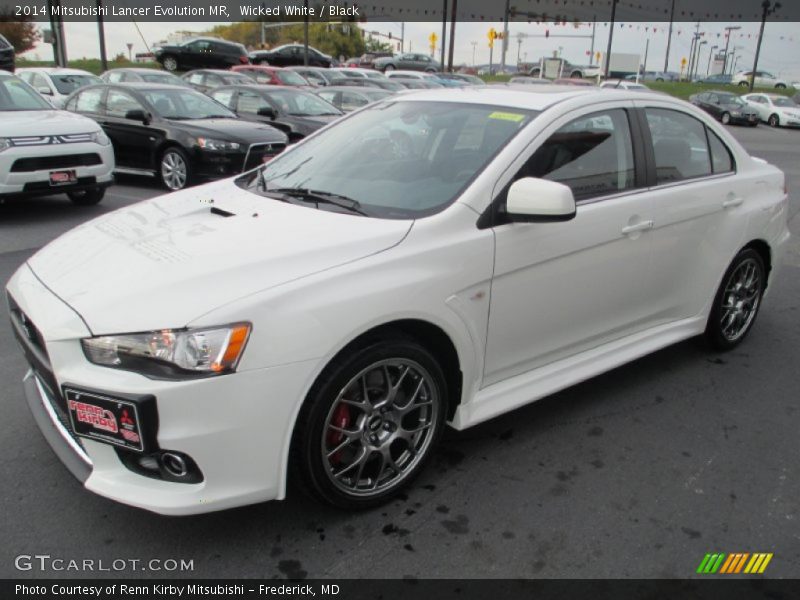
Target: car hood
[738, 107]
[236, 130]
[15, 123]
[165, 262]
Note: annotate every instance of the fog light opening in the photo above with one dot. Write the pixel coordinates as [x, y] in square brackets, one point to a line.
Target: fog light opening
[174, 464]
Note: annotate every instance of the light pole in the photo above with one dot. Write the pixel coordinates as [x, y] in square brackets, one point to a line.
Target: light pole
[697, 60]
[710, 54]
[727, 43]
[769, 9]
[474, 47]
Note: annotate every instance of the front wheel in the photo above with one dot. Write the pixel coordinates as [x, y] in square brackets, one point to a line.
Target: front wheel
[174, 169]
[170, 64]
[726, 118]
[737, 301]
[87, 197]
[774, 121]
[388, 68]
[744, 84]
[780, 86]
[370, 424]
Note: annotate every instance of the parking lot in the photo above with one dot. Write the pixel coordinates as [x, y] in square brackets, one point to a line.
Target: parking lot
[636, 473]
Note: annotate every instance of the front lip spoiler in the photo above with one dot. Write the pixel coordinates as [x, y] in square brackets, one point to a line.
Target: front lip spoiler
[65, 447]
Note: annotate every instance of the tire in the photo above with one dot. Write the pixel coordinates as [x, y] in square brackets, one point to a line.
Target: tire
[173, 169]
[743, 84]
[725, 118]
[774, 121]
[355, 454]
[660, 79]
[576, 75]
[263, 61]
[780, 86]
[388, 68]
[170, 63]
[534, 73]
[87, 197]
[737, 301]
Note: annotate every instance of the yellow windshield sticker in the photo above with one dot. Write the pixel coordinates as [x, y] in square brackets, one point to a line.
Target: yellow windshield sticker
[505, 116]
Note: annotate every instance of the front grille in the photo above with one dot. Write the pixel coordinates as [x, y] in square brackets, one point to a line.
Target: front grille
[48, 163]
[45, 140]
[257, 153]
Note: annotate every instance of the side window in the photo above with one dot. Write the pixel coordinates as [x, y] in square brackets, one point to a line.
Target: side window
[352, 101]
[89, 101]
[679, 144]
[196, 78]
[250, 103]
[119, 103]
[224, 97]
[27, 77]
[199, 46]
[116, 77]
[332, 97]
[213, 80]
[721, 158]
[593, 155]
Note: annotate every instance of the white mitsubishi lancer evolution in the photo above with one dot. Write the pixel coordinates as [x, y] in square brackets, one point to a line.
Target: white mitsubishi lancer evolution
[434, 259]
[44, 151]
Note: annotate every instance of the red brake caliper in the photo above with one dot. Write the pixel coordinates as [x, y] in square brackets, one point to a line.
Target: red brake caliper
[341, 418]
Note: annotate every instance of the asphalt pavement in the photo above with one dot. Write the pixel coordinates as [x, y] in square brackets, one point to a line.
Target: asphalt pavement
[637, 473]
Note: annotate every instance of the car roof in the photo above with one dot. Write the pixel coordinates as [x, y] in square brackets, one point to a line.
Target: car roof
[140, 70]
[217, 71]
[146, 86]
[239, 68]
[56, 71]
[263, 87]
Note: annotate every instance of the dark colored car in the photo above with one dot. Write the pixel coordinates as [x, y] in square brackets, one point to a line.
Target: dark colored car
[726, 107]
[463, 78]
[273, 76]
[317, 76]
[174, 133]
[347, 99]
[201, 53]
[291, 54]
[7, 55]
[410, 61]
[205, 80]
[367, 60]
[718, 79]
[297, 113]
[130, 75]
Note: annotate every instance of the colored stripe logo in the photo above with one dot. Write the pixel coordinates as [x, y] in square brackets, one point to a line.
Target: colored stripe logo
[732, 564]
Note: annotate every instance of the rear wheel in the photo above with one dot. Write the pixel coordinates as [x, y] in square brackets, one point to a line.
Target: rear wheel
[370, 424]
[743, 84]
[174, 169]
[388, 68]
[774, 121]
[87, 197]
[737, 301]
[170, 63]
[780, 86]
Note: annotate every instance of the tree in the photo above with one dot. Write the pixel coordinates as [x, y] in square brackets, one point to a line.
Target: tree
[375, 45]
[23, 35]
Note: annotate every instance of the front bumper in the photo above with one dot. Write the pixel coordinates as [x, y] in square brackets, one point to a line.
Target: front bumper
[236, 428]
[219, 165]
[25, 171]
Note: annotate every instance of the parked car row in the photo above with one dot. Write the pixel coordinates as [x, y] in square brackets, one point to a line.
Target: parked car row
[750, 109]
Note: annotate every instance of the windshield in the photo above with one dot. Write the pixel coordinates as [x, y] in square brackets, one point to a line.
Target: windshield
[66, 84]
[163, 78]
[786, 102]
[301, 104]
[185, 105]
[290, 78]
[17, 95]
[398, 160]
[234, 79]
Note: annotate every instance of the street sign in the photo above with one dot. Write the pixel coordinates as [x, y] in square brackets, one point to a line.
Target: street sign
[433, 38]
[683, 61]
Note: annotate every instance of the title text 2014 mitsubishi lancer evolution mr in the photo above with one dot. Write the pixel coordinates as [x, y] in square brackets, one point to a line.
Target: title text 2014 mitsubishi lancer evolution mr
[432, 259]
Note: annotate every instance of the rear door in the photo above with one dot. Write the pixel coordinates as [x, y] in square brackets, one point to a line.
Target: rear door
[696, 196]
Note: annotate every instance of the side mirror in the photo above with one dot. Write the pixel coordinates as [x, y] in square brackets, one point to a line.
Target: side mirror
[137, 114]
[532, 200]
[44, 90]
[266, 111]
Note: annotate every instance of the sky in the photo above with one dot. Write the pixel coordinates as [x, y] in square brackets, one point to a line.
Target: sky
[780, 51]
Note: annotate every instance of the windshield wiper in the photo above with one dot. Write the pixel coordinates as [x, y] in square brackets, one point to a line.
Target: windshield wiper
[321, 197]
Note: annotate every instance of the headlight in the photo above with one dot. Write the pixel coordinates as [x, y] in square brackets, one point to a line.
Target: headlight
[171, 353]
[4, 144]
[99, 137]
[217, 145]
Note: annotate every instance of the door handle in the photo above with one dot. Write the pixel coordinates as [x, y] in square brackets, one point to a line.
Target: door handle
[732, 202]
[640, 226]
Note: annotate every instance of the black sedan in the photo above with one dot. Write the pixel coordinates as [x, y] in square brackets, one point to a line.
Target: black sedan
[205, 80]
[297, 112]
[291, 54]
[201, 53]
[727, 107]
[175, 133]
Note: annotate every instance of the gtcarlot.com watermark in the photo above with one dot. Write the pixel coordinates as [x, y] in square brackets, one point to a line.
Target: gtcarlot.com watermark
[46, 563]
